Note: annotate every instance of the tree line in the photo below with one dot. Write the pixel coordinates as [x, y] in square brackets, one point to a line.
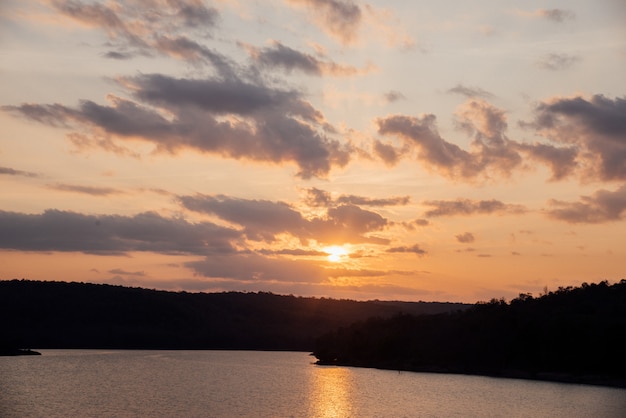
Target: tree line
[36, 314]
[571, 334]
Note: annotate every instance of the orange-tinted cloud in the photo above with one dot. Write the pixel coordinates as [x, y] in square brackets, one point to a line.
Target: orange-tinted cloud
[339, 18]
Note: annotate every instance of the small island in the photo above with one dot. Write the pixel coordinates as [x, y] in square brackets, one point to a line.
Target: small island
[8, 351]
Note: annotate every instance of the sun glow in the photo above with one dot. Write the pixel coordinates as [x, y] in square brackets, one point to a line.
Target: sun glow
[336, 253]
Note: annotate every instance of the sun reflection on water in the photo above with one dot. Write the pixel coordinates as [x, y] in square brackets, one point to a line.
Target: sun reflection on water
[331, 392]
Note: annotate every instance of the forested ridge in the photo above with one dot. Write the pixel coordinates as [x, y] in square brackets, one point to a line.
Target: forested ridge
[575, 334]
[35, 314]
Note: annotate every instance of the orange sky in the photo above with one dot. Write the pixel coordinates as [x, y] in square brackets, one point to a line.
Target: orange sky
[366, 150]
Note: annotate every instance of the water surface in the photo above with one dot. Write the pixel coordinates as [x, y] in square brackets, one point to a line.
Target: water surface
[271, 384]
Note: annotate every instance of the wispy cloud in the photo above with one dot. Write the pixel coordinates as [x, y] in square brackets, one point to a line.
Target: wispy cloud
[470, 92]
[289, 59]
[317, 197]
[465, 238]
[554, 15]
[339, 18]
[466, 207]
[13, 172]
[415, 249]
[556, 62]
[90, 190]
[603, 206]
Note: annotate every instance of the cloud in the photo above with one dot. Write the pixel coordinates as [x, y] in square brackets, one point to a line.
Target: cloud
[288, 59]
[13, 172]
[394, 96]
[603, 206]
[264, 220]
[90, 190]
[557, 62]
[228, 117]
[257, 268]
[339, 18]
[127, 273]
[316, 197]
[388, 153]
[492, 151]
[261, 219]
[56, 230]
[415, 249]
[294, 251]
[555, 15]
[466, 207]
[470, 92]
[466, 238]
[595, 126]
[134, 27]
[561, 160]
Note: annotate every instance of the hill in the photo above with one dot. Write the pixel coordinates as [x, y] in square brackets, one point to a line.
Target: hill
[572, 334]
[81, 315]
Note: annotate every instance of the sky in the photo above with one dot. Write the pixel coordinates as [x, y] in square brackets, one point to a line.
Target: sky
[393, 150]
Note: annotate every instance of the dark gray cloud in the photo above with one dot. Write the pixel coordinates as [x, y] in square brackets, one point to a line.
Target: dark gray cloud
[471, 92]
[56, 230]
[341, 19]
[467, 207]
[271, 125]
[603, 206]
[263, 220]
[466, 237]
[415, 249]
[288, 59]
[90, 190]
[316, 197]
[595, 126]
[13, 172]
[555, 62]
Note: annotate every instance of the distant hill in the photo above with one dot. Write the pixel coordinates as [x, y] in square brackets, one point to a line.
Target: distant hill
[572, 334]
[36, 314]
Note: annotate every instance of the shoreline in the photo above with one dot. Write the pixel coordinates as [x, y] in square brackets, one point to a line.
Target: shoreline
[592, 380]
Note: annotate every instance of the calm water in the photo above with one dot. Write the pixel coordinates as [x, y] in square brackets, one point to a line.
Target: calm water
[89, 383]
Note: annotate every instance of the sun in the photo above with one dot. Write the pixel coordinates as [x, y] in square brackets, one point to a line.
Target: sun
[336, 253]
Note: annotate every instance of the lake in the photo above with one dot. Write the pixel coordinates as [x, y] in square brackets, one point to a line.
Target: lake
[123, 383]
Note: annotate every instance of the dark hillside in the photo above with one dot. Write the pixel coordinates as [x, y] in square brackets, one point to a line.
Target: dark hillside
[573, 334]
[79, 315]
